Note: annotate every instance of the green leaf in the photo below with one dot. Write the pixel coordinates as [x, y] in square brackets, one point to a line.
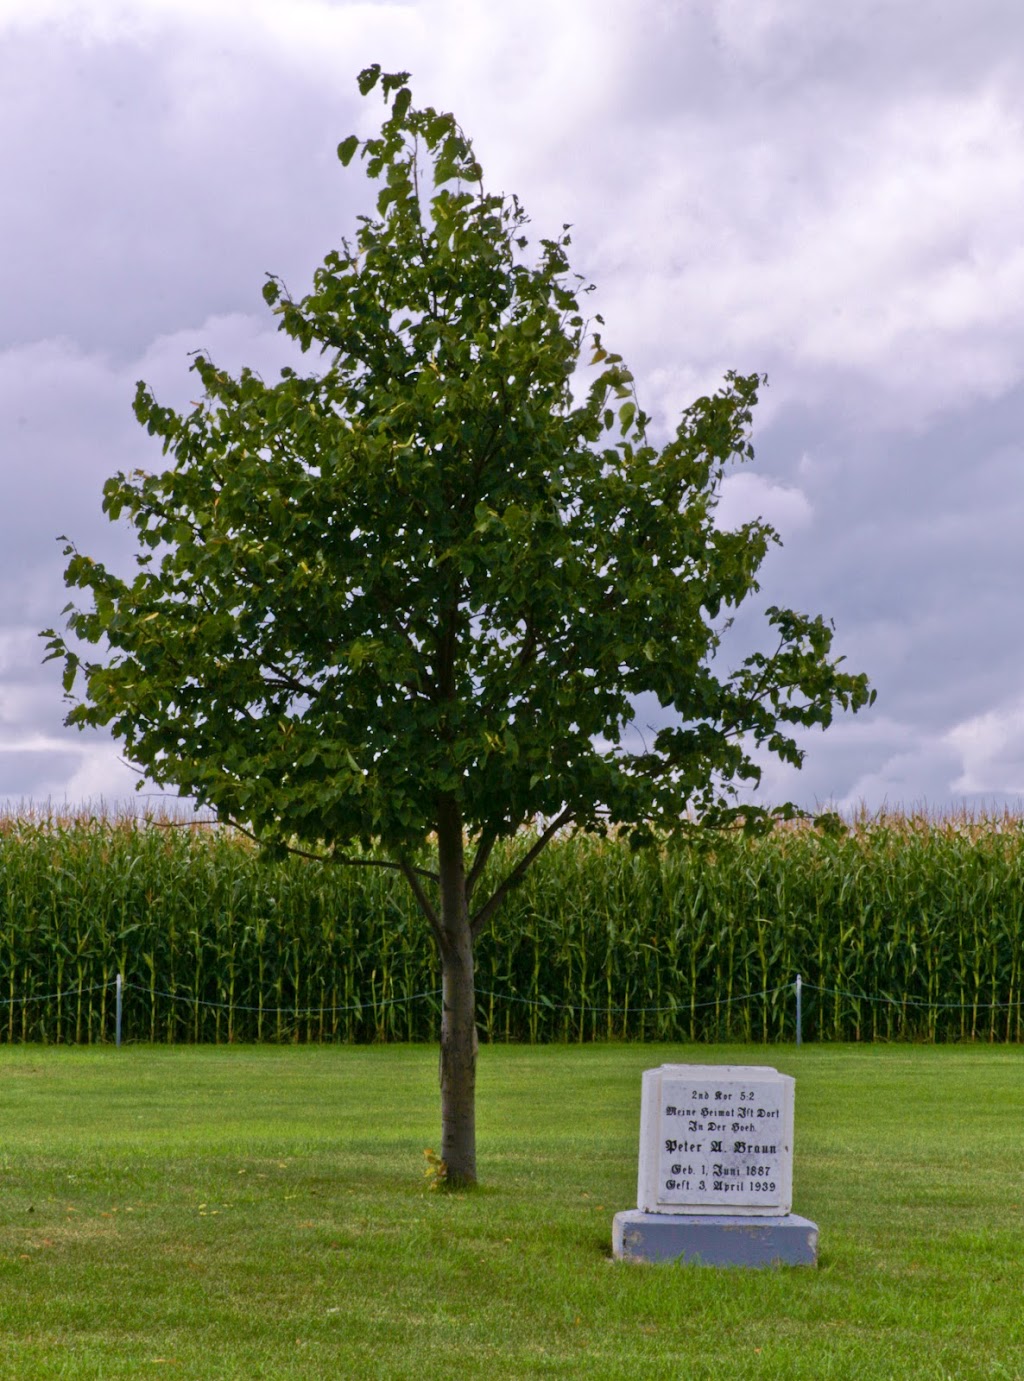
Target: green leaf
[71, 665]
[347, 148]
[394, 81]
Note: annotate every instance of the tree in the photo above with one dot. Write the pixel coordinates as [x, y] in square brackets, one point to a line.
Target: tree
[399, 608]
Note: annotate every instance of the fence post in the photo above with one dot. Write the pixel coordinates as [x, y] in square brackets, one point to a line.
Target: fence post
[799, 1011]
[117, 1019]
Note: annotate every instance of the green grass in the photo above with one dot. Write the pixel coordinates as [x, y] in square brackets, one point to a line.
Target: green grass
[240, 1212]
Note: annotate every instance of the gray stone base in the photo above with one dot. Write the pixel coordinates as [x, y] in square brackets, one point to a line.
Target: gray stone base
[714, 1240]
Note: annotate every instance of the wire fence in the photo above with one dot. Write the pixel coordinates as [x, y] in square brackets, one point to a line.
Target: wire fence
[804, 1010]
[912, 931]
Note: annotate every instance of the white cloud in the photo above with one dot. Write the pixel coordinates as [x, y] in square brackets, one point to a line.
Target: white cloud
[821, 225]
[17, 646]
[991, 750]
[58, 457]
[888, 762]
[301, 25]
[100, 775]
[231, 340]
[831, 195]
[747, 495]
[897, 258]
[67, 773]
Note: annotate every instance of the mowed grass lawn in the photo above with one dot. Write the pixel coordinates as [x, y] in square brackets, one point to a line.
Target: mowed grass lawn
[262, 1212]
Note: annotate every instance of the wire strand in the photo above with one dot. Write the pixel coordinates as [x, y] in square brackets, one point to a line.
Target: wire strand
[911, 1001]
[586, 1007]
[57, 997]
[282, 1011]
[541, 1002]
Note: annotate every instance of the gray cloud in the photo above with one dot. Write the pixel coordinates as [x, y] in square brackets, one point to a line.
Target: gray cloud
[831, 195]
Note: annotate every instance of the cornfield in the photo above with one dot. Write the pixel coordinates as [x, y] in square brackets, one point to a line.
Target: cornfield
[905, 928]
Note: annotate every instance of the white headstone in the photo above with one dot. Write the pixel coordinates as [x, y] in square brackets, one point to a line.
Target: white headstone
[716, 1139]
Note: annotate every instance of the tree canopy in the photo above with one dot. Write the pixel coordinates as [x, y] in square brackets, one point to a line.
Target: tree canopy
[402, 604]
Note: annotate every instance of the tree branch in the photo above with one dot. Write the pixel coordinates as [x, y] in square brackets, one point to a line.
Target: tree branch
[526, 656]
[376, 863]
[412, 877]
[403, 867]
[484, 914]
[483, 852]
[285, 681]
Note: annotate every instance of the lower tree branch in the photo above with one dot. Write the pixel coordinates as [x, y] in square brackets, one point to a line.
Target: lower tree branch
[483, 852]
[403, 867]
[412, 877]
[485, 912]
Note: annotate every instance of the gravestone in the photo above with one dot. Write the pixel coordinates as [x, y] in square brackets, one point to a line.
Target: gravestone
[715, 1182]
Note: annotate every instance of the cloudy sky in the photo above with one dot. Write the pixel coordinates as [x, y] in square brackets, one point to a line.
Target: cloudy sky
[832, 195]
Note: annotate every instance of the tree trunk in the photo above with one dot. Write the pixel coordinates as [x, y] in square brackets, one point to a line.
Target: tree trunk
[458, 1005]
